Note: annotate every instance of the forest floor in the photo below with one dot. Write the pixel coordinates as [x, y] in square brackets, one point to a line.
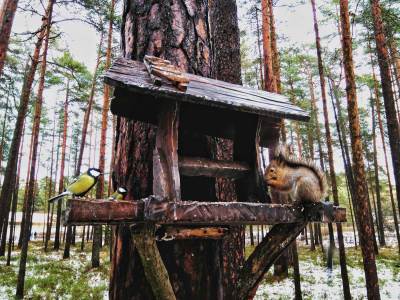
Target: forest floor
[50, 277]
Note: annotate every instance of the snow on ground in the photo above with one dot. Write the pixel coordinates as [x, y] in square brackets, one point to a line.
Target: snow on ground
[318, 283]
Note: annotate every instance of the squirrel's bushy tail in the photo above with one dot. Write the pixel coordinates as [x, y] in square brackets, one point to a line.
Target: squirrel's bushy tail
[283, 154]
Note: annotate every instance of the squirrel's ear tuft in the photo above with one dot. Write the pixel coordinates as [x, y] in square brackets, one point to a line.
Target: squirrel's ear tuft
[281, 152]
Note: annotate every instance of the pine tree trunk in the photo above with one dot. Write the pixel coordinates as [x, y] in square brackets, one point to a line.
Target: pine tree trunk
[342, 253]
[62, 167]
[269, 76]
[14, 203]
[9, 174]
[377, 184]
[31, 188]
[361, 195]
[382, 133]
[97, 239]
[7, 14]
[388, 97]
[89, 108]
[195, 267]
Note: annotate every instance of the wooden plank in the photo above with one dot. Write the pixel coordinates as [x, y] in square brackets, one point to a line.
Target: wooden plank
[84, 211]
[197, 166]
[166, 180]
[158, 210]
[130, 76]
[230, 213]
[170, 233]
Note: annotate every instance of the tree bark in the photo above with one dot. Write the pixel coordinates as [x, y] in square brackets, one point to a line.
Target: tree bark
[382, 241]
[9, 174]
[361, 195]
[62, 167]
[7, 14]
[177, 31]
[89, 109]
[342, 253]
[382, 133]
[35, 131]
[388, 97]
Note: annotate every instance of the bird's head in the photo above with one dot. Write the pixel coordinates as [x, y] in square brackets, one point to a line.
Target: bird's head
[122, 190]
[94, 172]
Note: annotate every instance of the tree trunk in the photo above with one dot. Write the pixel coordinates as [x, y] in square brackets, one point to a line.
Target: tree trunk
[97, 239]
[224, 31]
[14, 204]
[7, 14]
[269, 76]
[180, 33]
[89, 108]
[390, 109]
[31, 188]
[361, 195]
[342, 253]
[9, 174]
[382, 132]
[62, 167]
[49, 221]
[376, 177]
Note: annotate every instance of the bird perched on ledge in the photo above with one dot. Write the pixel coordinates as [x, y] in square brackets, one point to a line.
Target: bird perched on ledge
[81, 186]
[119, 194]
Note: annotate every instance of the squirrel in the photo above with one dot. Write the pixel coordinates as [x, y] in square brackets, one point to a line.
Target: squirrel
[297, 178]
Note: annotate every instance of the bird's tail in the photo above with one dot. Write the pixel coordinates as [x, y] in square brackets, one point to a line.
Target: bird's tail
[56, 198]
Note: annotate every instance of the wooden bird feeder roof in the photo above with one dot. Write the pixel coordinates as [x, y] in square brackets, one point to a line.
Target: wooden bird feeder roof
[133, 76]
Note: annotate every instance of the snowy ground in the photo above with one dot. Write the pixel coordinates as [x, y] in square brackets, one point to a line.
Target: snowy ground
[50, 277]
[318, 283]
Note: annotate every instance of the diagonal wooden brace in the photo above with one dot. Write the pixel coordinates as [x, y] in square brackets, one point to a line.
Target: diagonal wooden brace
[260, 261]
[153, 266]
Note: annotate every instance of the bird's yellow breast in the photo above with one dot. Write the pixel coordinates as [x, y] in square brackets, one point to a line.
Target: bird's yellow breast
[81, 185]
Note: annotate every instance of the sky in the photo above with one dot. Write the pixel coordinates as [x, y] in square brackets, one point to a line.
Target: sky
[81, 39]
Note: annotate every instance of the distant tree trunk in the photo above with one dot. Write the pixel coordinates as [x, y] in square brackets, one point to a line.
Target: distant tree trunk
[269, 76]
[258, 28]
[382, 132]
[97, 239]
[49, 221]
[390, 109]
[342, 253]
[89, 108]
[62, 167]
[361, 195]
[9, 174]
[376, 177]
[31, 188]
[7, 14]
[3, 128]
[14, 203]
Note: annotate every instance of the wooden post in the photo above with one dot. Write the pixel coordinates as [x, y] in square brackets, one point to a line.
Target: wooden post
[153, 266]
[246, 149]
[166, 182]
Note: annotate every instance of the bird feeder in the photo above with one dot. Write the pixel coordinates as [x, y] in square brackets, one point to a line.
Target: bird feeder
[156, 92]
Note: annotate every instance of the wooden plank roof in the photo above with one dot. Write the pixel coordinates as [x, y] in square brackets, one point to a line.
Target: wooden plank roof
[133, 76]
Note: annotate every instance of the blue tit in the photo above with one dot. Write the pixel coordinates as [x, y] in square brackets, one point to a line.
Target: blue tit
[81, 185]
[119, 194]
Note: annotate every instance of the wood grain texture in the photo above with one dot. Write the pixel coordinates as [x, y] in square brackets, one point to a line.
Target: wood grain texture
[166, 182]
[133, 76]
[162, 211]
[196, 166]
